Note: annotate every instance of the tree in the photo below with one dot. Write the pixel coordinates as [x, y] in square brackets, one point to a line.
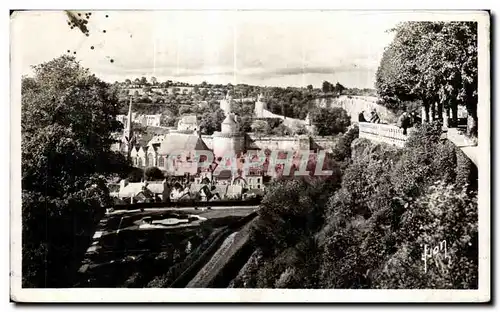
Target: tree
[168, 121]
[394, 85]
[212, 121]
[299, 129]
[185, 109]
[327, 87]
[153, 174]
[154, 81]
[246, 124]
[433, 220]
[285, 215]
[68, 116]
[135, 175]
[343, 149]
[310, 87]
[261, 127]
[144, 81]
[128, 82]
[339, 88]
[329, 121]
[282, 130]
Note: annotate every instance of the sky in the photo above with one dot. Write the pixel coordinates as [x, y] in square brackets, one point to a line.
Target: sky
[267, 48]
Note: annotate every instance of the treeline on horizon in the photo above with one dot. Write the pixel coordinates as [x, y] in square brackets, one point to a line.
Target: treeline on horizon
[293, 102]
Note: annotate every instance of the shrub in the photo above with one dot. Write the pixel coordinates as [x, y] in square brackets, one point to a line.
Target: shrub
[153, 173]
[444, 213]
[330, 121]
[135, 175]
[342, 150]
[291, 210]
[391, 202]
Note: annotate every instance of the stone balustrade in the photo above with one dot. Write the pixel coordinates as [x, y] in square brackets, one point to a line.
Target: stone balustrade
[389, 134]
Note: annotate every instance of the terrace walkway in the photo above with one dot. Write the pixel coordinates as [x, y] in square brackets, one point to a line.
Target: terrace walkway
[468, 146]
[393, 135]
[383, 133]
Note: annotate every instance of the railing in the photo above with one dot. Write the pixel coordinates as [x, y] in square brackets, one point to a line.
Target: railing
[389, 134]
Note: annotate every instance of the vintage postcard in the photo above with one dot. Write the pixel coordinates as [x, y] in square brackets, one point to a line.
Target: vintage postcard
[250, 156]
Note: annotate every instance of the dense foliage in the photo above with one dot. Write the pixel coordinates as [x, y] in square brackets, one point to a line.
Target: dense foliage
[68, 116]
[331, 120]
[391, 204]
[434, 62]
[328, 87]
[211, 121]
[153, 174]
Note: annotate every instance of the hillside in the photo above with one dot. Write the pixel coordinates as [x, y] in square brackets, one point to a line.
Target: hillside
[355, 104]
[370, 231]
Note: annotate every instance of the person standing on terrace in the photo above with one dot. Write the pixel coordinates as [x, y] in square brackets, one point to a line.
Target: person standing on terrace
[361, 117]
[404, 122]
[374, 118]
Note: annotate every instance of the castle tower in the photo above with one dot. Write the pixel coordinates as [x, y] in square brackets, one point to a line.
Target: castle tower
[225, 104]
[260, 106]
[229, 141]
[308, 120]
[309, 125]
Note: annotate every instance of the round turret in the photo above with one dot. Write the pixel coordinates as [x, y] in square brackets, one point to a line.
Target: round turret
[230, 125]
[225, 104]
[229, 141]
[260, 106]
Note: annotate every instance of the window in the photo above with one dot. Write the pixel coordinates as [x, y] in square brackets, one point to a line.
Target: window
[258, 186]
[161, 161]
[150, 160]
[139, 162]
[258, 180]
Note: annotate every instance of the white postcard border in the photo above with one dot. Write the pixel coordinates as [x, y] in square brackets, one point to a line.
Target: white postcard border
[270, 295]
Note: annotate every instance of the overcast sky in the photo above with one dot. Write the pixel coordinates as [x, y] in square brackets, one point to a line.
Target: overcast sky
[283, 48]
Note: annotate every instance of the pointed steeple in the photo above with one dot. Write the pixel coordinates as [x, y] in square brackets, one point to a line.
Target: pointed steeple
[128, 131]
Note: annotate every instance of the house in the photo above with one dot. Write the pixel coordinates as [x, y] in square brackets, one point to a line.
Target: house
[145, 120]
[136, 90]
[177, 151]
[188, 123]
[144, 156]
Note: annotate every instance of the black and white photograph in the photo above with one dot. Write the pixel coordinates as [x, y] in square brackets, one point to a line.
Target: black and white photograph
[250, 156]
